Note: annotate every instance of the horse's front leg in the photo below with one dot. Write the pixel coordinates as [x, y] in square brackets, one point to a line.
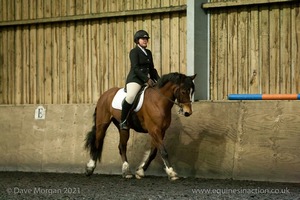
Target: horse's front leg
[169, 170]
[124, 136]
[144, 166]
[157, 137]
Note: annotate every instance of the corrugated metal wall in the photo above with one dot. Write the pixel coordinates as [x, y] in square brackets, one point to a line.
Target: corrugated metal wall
[254, 48]
[61, 51]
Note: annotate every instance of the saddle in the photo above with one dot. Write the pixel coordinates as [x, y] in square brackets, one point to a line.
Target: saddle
[133, 119]
[137, 103]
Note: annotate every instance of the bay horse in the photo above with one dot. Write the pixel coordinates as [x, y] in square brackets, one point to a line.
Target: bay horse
[154, 118]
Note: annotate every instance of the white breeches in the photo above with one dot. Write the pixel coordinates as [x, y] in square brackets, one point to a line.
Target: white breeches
[132, 90]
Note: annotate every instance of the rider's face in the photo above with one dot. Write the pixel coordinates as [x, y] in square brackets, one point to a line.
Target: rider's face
[143, 42]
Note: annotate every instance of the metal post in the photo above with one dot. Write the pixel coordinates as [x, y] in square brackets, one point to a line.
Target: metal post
[198, 47]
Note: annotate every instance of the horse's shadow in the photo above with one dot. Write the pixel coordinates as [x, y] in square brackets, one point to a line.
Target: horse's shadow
[198, 148]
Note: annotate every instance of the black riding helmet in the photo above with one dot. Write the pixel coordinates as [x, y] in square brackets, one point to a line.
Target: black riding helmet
[140, 34]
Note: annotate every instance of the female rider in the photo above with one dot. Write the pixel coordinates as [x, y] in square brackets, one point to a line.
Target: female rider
[142, 72]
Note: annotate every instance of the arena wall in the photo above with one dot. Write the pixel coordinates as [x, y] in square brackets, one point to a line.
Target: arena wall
[242, 140]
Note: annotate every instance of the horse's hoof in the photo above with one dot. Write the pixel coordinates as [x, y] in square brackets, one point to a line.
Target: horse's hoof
[174, 178]
[89, 172]
[139, 174]
[126, 173]
[127, 176]
[171, 174]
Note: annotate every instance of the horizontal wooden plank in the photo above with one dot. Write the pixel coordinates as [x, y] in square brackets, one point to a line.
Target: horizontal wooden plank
[95, 16]
[241, 3]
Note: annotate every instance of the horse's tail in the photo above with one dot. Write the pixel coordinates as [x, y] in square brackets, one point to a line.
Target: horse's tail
[90, 140]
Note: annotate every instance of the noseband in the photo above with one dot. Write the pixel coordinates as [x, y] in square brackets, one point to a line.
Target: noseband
[178, 103]
[176, 96]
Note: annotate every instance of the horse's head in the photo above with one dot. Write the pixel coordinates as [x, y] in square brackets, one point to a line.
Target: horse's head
[183, 89]
[184, 93]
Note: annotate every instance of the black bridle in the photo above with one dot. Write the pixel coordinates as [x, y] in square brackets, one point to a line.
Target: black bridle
[176, 96]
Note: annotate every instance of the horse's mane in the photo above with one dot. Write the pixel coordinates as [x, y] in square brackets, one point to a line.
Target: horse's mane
[176, 78]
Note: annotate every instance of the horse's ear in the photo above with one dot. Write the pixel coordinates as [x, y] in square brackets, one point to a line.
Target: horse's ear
[193, 77]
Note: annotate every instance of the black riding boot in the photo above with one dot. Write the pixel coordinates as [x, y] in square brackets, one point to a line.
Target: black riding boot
[125, 111]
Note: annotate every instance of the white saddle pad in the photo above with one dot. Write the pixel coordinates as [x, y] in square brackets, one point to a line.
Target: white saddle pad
[119, 97]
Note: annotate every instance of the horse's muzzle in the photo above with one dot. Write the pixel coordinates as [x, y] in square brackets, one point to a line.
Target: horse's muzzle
[186, 111]
[186, 114]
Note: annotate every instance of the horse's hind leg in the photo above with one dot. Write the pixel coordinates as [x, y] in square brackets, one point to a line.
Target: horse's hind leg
[124, 136]
[96, 146]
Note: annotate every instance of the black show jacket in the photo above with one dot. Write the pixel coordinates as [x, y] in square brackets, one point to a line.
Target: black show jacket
[141, 66]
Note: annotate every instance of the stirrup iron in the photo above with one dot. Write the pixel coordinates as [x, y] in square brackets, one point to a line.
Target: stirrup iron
[123, 125]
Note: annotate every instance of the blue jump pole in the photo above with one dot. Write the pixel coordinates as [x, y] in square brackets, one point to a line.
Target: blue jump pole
[245, 97]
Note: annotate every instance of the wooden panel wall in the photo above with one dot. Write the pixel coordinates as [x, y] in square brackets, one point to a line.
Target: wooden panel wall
[76, 60]
[254, 48]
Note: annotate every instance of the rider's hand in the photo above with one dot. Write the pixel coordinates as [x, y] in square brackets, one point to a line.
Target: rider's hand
[150, 83]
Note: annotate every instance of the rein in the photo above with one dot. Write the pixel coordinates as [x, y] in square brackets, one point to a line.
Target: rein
[174, 102]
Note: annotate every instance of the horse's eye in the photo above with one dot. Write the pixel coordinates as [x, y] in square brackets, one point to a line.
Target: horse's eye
[185, 91]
